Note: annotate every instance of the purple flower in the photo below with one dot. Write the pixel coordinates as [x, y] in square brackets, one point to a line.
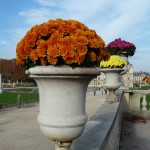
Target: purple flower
[117, 46]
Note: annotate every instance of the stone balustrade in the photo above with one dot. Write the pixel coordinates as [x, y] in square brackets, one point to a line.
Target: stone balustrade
[102, 131]
[135, 102]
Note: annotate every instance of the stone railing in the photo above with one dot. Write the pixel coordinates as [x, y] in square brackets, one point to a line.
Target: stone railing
[102, 131]
[135, 102]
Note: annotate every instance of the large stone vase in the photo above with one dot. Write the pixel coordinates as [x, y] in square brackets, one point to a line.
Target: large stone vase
[62, 92]
[112, 82]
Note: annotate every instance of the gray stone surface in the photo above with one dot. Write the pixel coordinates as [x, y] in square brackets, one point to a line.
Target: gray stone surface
[98, 130]
[19, 129]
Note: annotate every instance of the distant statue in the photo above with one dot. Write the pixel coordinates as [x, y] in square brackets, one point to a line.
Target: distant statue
[13, 84]
[18, 101]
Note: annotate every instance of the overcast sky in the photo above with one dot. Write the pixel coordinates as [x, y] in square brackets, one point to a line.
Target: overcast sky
[128, 20]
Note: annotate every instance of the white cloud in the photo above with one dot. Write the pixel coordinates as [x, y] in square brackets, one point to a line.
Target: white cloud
[2, 42]
[35, 16]
[46, 2]
[17, 34]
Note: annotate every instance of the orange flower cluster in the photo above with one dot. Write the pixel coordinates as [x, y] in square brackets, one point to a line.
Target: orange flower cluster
[146, 79]
[61, 42]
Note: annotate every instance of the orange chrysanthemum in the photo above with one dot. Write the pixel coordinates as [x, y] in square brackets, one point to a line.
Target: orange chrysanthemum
[92, 56]
[80, 58]
[43, 30]
[60, 42]
[70, 58]
[53, 51]
[81, 48]
[43, 61]
[19, 61]
[52, 60]
[34, 56]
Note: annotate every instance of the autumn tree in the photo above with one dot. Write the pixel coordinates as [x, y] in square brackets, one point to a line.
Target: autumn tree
[11, 71]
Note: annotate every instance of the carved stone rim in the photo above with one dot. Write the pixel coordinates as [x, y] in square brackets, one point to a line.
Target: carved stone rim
[111, 69]
[63, 70]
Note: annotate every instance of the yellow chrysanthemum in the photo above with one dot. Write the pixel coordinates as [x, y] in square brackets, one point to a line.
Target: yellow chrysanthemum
[115, 61]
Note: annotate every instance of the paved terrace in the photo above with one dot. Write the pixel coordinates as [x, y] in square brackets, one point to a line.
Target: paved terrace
[19, 129]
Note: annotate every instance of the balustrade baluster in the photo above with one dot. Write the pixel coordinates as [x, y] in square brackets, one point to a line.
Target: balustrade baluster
[144, 103]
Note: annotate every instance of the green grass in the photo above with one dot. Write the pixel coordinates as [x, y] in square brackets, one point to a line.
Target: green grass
[142, 88]
[11, 98]
[148, 102]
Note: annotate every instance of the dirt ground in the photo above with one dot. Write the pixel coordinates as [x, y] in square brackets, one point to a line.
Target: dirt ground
[135, 134]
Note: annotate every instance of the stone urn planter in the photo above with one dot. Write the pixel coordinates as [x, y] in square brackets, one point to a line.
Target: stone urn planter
[62, 92]
[112, 82]
[49, 51]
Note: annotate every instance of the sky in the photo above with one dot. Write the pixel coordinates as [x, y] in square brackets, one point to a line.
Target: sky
[111, 19]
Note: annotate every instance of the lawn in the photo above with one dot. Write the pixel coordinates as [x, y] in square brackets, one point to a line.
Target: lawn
[11, 98]
[142, 88]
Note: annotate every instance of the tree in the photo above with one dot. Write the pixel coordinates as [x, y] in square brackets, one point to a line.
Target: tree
[11, 71]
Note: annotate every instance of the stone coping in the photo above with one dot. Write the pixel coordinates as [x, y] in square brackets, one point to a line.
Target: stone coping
[98, 130]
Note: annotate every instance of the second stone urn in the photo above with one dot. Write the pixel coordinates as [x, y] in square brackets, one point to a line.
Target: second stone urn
[112, 83]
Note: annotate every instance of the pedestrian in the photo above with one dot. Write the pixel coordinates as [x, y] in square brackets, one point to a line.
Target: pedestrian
[102, 91]
[94, 92]
[18, 101]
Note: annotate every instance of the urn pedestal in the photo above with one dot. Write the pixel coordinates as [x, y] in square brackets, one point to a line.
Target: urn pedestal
[62, 92]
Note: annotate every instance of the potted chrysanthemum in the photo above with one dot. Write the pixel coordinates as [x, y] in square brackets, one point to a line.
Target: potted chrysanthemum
[122, 48]
[112, 69]
[62, 55]
[119, 46]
